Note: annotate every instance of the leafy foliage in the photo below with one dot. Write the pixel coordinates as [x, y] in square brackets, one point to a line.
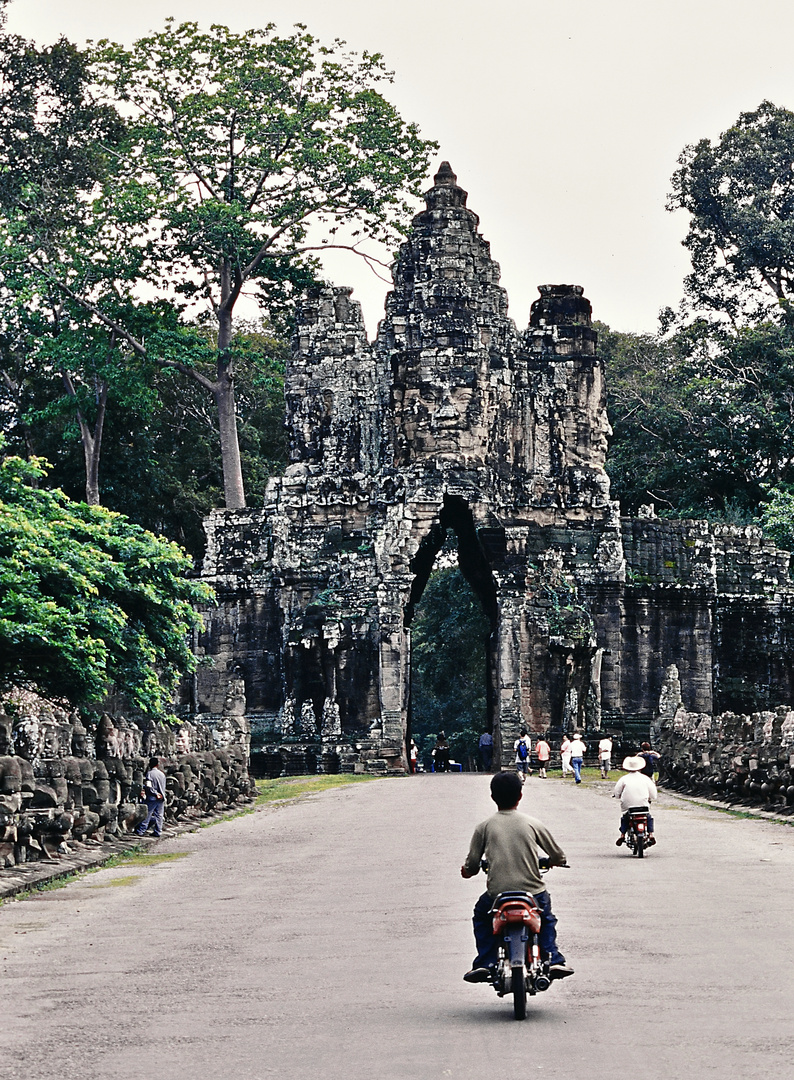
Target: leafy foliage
[703, 421]
[88, 600]
[777, 517]
[739, 192]
[161, 461]
[193, 171]
[449, 641]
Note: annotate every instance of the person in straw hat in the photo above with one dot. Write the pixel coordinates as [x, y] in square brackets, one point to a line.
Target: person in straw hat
[634, 789]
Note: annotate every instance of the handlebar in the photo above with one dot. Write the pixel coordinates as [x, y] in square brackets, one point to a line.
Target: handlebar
[544, 864]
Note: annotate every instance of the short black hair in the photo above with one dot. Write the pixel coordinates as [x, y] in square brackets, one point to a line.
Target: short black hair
[154, 762]
[506, 789]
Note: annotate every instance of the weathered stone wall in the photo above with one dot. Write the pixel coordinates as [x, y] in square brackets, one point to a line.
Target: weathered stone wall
[745, 759]
[453, 420]
[64, 782]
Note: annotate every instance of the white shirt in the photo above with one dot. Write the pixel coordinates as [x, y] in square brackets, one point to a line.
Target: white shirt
[635, 789]
[605, 748]
[577, 748]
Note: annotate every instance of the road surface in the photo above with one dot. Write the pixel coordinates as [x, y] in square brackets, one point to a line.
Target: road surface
[327, 939]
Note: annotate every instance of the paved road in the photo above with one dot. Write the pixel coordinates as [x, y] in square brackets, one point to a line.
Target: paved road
[327, 939]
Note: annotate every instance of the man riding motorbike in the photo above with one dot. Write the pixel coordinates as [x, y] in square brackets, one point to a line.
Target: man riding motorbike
[509, 843]
[634, 789]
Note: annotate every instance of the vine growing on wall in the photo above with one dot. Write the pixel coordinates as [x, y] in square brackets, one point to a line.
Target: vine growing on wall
[566, 615]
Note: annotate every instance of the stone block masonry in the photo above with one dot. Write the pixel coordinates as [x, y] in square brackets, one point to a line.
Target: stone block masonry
[454, 421]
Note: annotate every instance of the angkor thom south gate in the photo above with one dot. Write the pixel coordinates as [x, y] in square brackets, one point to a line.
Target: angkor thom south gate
[454, 420]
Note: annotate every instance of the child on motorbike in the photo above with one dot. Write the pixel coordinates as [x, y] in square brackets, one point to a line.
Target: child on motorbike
[508, 842]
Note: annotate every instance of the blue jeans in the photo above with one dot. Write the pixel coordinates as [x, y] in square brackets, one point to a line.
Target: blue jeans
[154, 811]
[576, 765]
[488, 943]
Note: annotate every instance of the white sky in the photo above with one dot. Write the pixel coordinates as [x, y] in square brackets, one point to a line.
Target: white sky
[563, 119]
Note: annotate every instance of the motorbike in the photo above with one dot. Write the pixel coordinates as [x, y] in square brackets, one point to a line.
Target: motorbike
[637, 832]
[520, 971]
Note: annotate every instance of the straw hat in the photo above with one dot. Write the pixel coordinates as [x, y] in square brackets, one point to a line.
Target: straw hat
[633, 764]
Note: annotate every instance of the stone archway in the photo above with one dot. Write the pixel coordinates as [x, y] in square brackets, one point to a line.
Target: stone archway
[450, 419]
[472, 561]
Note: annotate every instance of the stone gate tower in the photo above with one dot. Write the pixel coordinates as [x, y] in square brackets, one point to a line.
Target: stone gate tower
[450, 420]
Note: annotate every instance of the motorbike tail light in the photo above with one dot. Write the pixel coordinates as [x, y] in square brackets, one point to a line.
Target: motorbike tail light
[517, 913]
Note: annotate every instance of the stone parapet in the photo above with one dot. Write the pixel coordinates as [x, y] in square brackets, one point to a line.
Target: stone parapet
[65, 781]
[739, 759]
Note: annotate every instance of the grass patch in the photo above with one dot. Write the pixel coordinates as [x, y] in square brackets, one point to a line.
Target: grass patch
[135, 857]
[130, 879]
[589, 772]
[139, 857]
[287, 788]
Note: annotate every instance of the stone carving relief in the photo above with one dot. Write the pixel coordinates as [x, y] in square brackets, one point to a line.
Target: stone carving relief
[454, 420]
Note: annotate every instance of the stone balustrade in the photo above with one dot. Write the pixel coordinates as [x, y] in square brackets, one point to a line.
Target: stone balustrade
[65, 781]
[739, 759]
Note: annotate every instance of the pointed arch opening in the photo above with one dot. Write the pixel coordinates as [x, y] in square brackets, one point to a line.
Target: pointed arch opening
[452, 612]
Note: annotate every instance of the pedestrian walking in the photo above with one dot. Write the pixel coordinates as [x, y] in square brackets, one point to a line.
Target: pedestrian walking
[441, 754]
[413, 756]
[485, 747]
[523, 748]
[154, 790]
[578, 750]
[651, 759]
[605, 756]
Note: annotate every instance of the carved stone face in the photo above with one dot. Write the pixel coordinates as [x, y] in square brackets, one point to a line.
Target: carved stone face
[437, 418]
[27, 737]
[183, 740]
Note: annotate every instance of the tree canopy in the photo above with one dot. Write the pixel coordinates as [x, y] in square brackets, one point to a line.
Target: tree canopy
[703, 420]
[212, 158]
[88, 601]
[739, 192]
[703, 412]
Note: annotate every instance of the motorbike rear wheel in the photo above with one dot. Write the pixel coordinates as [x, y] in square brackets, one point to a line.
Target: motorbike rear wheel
[519, 992]
[640, 846]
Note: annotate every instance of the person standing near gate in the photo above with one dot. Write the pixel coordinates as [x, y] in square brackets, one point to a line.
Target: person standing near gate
[485, 747]
[543, 753]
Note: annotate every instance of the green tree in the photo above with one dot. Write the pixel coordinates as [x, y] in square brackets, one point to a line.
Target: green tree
[703, 420]
[88, 601]
[777, 516]
[56, 144]
[449, 649]
[739, 192]
[236, 145]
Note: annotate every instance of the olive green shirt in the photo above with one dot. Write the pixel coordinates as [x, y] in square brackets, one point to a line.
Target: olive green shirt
[509, 842]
